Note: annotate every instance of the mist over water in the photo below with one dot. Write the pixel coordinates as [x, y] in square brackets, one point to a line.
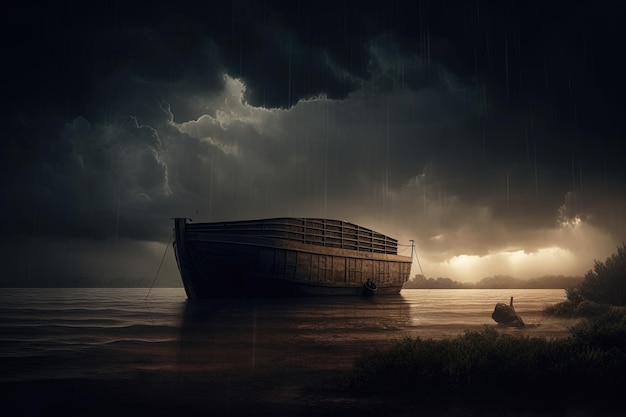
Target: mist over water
[113, 333]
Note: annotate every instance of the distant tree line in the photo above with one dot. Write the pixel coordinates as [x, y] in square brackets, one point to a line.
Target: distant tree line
[494, 282]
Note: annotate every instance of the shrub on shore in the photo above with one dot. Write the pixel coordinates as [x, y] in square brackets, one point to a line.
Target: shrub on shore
[603, 288]
[605, 283]
[605, 331]
[588, 309]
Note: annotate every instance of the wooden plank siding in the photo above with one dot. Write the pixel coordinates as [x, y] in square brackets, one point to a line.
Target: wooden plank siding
[321, 232]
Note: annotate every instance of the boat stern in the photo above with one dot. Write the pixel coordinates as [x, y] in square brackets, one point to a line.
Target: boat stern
[183, 257]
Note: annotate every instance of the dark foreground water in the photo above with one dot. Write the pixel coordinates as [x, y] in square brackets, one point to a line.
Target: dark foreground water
[103, 351]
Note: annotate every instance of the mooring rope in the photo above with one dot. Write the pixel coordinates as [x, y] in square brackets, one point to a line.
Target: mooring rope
[160, 264]
[413, 254]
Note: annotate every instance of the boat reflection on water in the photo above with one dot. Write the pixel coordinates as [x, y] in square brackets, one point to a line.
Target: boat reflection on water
[287, 333]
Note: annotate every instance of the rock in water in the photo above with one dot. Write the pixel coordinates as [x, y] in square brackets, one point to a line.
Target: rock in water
[506, 315]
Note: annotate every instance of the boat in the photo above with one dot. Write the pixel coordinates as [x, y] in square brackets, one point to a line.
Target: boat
[370, 287]
[506, 315]
[286, 256]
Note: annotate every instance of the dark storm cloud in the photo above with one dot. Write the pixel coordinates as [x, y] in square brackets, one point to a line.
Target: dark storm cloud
[471, 128]
[86, 178]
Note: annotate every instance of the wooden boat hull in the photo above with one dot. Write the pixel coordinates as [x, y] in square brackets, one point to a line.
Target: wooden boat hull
[267, 258]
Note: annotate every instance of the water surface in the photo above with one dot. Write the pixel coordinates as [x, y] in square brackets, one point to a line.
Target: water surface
[112, 333]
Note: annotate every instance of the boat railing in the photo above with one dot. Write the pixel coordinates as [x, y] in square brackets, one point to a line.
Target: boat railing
[322, 232]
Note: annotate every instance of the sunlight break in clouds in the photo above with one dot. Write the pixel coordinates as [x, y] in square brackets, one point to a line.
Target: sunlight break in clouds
[520, 264]
[572, 246]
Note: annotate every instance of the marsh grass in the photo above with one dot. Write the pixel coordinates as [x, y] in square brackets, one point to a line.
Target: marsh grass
[590, 363]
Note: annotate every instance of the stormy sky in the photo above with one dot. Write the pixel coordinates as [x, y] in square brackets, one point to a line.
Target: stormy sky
[491, 133]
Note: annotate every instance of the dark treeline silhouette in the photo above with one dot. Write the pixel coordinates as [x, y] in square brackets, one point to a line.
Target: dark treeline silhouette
[495, 282]
[601, 291]
[605, 283]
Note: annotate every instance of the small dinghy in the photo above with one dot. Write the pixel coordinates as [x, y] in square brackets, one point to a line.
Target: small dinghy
[506, 315]
[370, 287]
